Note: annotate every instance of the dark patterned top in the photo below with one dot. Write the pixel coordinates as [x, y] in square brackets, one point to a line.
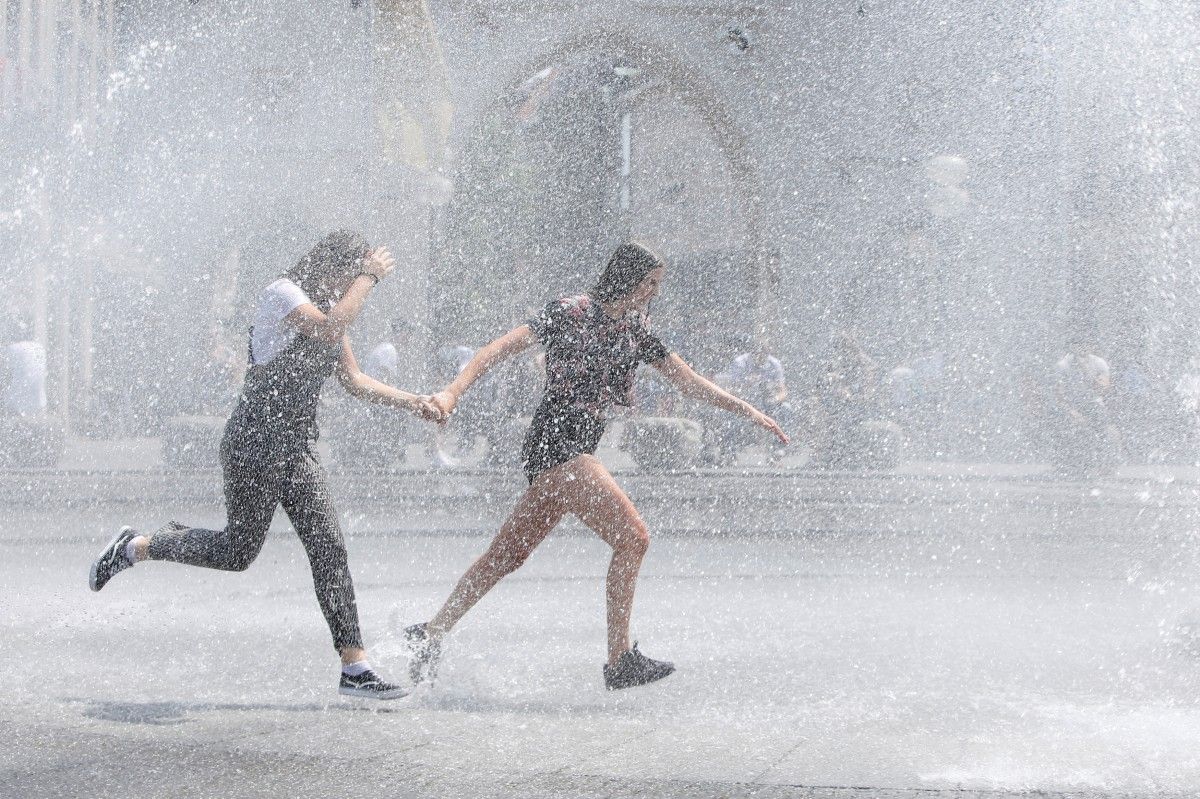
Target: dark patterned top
[276, 414]
[591, 357]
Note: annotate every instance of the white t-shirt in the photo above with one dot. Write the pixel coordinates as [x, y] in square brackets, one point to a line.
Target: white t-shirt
[271, 336]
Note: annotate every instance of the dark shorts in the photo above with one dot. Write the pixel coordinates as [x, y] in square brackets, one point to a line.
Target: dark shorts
[557, 434]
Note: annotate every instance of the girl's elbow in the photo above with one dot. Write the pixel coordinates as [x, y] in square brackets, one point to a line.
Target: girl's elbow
[354, 384]
[330, 334]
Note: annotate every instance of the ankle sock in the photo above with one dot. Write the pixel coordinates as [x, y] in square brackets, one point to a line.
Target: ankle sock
[131, 548]
[356, 668]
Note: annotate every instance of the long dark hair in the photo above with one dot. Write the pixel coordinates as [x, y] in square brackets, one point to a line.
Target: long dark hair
[627, 267]
[325, 268]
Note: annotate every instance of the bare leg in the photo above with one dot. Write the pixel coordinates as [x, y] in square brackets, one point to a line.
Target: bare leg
[599, 502]
[536, 514]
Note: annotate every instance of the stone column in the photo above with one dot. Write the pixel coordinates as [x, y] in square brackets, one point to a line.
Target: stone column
[91, 82]
[69, 98]
[412, 99]
[24, 52]
[6, 54]
[412, 112]
[47, 54]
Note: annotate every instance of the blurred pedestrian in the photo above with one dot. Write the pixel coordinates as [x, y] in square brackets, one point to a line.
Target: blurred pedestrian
[759, 377]
[844, 405]
[25, 372]
[1084, 438]
[396, 360]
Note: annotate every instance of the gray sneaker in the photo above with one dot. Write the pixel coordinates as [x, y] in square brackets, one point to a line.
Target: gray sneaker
[111, 559]
[369, 685]
[633, 669]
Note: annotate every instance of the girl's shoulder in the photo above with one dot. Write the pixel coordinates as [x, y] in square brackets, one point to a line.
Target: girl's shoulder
[287, 288]
[283, 285]
[281, 297]
[570, 310]
[576, 305]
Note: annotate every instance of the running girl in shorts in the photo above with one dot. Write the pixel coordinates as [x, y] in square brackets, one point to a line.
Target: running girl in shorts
[267, 452]
[594, 343]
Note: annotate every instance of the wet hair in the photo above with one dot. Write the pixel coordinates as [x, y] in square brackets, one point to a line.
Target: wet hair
[322, 271]
[627, 267]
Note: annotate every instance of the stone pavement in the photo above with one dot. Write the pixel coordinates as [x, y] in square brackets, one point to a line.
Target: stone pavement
[1000, 657]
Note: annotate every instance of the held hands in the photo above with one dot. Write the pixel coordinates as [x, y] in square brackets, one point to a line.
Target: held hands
[444, 401]
[379, 263]
[433, 407]
[425, 409]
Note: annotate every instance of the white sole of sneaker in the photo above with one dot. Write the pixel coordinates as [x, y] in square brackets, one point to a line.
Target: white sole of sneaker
[359, 693]
[96, 563]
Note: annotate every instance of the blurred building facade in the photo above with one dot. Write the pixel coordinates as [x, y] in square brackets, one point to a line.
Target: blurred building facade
[56, 59]
[977, 184]
[57, 55]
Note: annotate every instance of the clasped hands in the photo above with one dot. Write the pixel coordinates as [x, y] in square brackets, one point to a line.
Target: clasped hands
[435, 407]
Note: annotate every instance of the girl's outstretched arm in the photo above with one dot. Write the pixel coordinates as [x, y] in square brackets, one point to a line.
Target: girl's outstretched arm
[511, 343]
[695, 386]
[364, 387]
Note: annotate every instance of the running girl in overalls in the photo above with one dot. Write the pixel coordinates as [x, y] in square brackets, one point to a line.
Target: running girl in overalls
[594, 343]
[267, 452]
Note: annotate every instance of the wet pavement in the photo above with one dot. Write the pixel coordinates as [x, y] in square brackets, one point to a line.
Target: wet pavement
[894, 650]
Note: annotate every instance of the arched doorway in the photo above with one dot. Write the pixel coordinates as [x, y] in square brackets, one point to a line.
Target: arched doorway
[602, 141]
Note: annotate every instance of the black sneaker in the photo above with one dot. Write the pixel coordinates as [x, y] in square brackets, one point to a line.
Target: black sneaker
[111, 559]
[424, 654]
[369, 685]
[634, 668]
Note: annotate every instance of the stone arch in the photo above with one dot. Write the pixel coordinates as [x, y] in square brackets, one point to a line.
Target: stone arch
[495, 136]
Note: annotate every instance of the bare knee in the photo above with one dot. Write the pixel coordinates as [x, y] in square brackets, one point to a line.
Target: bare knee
[635, 541]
